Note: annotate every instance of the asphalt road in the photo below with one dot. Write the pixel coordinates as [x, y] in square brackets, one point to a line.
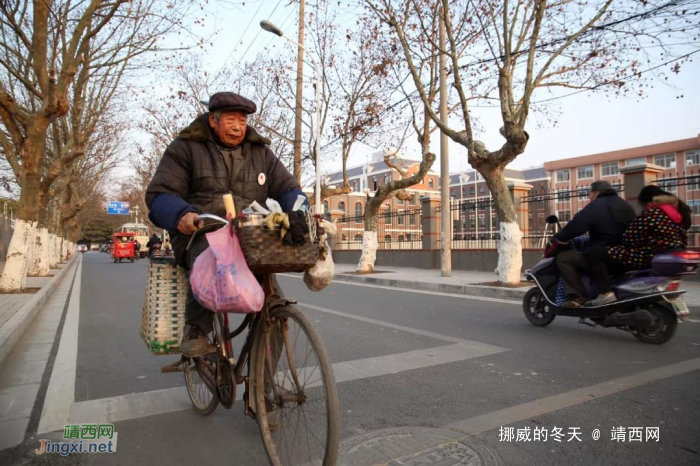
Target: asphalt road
[445, 362]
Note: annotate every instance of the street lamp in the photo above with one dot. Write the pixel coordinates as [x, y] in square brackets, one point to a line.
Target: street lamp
[269, 27]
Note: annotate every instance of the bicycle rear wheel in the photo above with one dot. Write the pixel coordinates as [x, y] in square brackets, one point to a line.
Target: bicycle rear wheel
[295, 392]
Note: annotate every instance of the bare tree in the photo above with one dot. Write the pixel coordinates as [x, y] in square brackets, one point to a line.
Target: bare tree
[48, 53]
[503, 51]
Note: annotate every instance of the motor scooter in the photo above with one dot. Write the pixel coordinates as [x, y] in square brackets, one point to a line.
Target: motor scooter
[649, 302]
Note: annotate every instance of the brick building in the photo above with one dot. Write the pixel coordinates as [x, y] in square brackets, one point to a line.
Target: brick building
[558, 187]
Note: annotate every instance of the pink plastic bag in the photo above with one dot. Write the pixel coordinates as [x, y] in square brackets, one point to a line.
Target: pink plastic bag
[221, 280]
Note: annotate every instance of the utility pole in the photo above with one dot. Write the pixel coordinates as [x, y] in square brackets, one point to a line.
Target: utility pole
[300, 90]
[446, 234]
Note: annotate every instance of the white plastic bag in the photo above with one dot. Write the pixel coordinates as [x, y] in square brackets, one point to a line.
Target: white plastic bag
[321, 274]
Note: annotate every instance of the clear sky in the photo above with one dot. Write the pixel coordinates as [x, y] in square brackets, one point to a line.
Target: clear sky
[586, 123]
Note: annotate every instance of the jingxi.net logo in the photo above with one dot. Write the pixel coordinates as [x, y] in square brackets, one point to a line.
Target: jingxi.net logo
[83, 438]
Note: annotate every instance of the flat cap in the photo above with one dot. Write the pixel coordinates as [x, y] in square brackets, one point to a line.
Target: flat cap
[230, 101]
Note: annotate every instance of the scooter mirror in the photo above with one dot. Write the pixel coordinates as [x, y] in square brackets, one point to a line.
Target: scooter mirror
[552, 220]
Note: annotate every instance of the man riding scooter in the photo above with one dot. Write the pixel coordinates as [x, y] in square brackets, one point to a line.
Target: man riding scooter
[605, 219]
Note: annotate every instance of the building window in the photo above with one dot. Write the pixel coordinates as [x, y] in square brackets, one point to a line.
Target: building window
[401, 218]
[635, 161]
[482, 222]
[693, 183]
[482, 189]
[563, 175]
[669, 185]
[666, 160]
[408, 237]
[564, 215]
[412, 219]
[585, 173]
[358, 237]
[401, 238]
[472, 222]
[692, 157]
[341, 207]
[387, 239]
[358, 209]
[387, 215]
[387, 179]
[374, 183]
[326, 209]
[695, 206]
[345, 238]
[431, 183]
[610, 168]
[453, 193]
[471, 190]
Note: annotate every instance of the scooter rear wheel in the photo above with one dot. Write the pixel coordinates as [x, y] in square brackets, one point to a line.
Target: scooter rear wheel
[536, 308]
[665, 324]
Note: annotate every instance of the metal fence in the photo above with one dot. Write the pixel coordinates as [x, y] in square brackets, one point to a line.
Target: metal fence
[396, 229]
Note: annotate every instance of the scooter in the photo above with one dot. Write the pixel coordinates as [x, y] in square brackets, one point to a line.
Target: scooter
[649, 302]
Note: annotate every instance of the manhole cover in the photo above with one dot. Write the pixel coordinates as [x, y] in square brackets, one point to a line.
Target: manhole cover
[416, 446]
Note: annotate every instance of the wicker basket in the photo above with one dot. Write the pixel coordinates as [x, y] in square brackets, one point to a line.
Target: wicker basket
[163, 315]
[265, 253]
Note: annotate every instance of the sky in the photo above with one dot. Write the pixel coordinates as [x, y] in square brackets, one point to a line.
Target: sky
[586, 123]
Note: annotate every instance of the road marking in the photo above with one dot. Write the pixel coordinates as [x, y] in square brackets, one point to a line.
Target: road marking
[61, 391]
[410, 290]
[503, 417]
[402, 328]
[138, 405]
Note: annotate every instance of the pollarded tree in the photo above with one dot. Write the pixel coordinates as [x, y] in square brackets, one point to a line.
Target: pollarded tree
[509, 51]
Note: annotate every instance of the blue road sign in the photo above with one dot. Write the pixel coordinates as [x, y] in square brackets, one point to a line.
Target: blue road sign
[118, 208]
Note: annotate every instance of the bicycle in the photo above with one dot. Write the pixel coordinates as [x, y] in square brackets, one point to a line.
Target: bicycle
[278, 389]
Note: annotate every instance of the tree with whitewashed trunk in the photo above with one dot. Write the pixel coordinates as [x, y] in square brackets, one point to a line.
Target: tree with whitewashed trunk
[505, 51]
[49, 52]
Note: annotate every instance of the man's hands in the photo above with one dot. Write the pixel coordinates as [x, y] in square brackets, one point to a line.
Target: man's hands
[187, 224]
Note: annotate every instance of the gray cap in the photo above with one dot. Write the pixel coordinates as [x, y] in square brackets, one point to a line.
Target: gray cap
[600, 186]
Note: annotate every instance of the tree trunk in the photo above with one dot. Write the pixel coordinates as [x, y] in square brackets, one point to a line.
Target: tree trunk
[14, 275]
[510, 250]
[40, 258]
[369, 237]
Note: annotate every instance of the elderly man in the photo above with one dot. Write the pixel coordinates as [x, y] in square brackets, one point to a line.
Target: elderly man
[218, 153]
[605, 219]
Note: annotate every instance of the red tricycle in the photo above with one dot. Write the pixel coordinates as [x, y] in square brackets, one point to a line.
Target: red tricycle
[123, 246]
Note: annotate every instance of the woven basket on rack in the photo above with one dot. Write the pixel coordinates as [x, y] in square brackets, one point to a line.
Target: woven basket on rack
[163, 317]
[265, 253]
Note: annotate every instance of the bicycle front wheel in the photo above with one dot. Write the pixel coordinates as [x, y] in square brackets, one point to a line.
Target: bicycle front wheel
[295, 392]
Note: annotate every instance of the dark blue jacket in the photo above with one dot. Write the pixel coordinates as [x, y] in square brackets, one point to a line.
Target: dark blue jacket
[605, 220]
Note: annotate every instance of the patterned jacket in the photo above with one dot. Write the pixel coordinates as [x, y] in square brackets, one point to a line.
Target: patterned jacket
[656, 229]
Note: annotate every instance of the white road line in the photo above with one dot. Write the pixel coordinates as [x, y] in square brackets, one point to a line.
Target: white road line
[139, 405]
[409, 290]
[61, 391]
[542, 406]
[395, 326]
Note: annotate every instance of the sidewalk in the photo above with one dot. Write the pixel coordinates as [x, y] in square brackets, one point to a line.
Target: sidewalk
[461, 282]
[18, 310]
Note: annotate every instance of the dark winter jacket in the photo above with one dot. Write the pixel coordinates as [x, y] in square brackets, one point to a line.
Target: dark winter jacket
[658, 228]
[192, 177]
[605, 220]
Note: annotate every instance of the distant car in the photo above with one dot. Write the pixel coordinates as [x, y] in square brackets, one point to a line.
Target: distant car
[82, 248]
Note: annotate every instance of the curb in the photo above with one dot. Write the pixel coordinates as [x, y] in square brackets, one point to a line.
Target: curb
[495, 292]
[14, 328]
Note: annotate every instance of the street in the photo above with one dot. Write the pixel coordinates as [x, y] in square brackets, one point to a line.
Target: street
[421, 366]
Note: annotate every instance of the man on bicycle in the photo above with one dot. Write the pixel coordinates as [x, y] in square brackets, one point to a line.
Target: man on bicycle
[218, 153]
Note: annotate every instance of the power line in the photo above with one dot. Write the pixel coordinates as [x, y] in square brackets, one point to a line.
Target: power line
[235, 44]
[259, 31]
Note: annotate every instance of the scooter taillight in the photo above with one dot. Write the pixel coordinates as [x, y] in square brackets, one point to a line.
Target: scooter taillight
[675, 284]
[687, 255]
